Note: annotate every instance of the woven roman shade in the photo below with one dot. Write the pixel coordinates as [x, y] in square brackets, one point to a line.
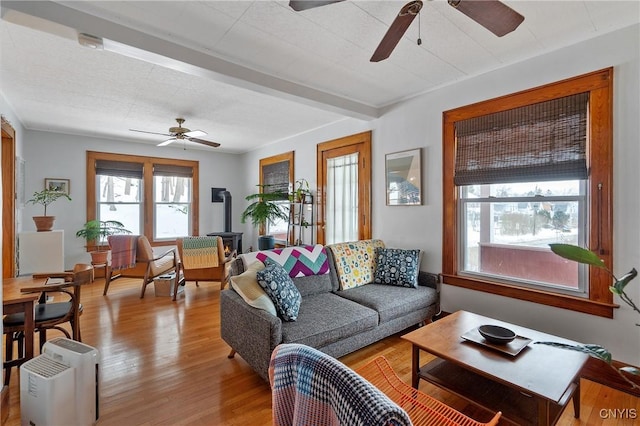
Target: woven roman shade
[119, 168]
[275, 178]
[172, 170]
[538, 142]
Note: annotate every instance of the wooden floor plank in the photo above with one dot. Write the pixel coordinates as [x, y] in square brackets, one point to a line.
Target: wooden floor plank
[164, 363]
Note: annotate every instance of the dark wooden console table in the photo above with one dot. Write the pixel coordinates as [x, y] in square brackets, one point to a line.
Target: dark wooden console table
[530, 388]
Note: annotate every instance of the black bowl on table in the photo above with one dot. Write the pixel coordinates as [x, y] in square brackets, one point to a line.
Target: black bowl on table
[496, 334]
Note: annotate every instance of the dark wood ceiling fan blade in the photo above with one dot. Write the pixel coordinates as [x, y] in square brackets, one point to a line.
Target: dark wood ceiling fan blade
[203, 142]
[396, 30]
[494, 15]
[299, 5]
[151, 133]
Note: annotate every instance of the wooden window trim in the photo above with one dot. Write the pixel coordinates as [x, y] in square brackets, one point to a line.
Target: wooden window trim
[148, 163]
[599, 84]
[275, 159]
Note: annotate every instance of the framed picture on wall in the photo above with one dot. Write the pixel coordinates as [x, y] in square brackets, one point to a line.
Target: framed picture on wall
[58, 185]
[403, 175]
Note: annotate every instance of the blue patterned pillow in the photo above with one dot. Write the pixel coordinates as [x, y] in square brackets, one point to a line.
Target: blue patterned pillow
[276, 282]
[397, 267]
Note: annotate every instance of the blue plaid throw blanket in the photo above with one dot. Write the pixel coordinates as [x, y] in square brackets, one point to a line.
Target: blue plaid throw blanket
[311, 388]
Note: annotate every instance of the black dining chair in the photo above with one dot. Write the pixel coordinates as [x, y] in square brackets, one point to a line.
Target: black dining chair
[48, 315]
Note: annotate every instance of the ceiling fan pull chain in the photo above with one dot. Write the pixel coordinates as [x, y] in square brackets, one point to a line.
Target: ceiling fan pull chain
[419, 26]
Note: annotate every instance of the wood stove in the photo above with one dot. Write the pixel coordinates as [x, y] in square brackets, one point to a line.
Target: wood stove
[232, 240]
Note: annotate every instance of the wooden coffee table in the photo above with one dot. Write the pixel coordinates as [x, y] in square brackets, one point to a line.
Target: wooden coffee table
[530, 388]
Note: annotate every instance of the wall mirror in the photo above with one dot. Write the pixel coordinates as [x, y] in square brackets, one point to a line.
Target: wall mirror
[403, 173]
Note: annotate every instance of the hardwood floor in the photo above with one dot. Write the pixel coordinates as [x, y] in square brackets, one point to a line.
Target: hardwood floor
[164, 363]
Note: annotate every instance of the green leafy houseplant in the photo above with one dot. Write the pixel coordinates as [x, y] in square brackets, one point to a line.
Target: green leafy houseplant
[96, 230]
[264, 208]
[300, 192]
[581, 255]
[44, 198]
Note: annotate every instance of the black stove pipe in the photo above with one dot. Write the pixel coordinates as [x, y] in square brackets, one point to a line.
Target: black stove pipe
[226, 199]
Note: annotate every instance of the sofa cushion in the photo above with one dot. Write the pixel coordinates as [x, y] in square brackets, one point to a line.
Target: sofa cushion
[397, 267]
[276, 282]
[313, 284]
[246, 285]
[391, 302]
[355, 262]
[326, 318]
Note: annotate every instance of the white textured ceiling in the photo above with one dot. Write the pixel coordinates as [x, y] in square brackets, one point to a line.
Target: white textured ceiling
[254, 72]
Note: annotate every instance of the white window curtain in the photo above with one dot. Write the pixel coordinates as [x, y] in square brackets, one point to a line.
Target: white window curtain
[342, 199]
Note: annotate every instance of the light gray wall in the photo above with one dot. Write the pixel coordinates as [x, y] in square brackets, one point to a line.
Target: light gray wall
[411, 124]
[54, 155]
[418, 123]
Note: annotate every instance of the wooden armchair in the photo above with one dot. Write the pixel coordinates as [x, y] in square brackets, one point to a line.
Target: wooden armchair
[209, 273]
[147, 265]
[311, 387]
[421, 408]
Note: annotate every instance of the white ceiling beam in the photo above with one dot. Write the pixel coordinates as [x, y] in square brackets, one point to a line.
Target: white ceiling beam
[130, 42]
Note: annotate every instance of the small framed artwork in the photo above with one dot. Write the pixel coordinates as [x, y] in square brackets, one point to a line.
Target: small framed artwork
[58, 185]
[403, 174]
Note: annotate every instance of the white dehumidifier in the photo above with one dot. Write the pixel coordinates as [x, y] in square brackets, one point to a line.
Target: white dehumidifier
[47, 392]
[83, 361]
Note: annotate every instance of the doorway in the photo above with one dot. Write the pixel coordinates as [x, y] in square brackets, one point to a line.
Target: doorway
[344, 189]
[8, 200]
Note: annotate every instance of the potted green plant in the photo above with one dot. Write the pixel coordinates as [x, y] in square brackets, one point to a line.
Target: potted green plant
[300, 192]
[587, 257]
[264, 208]
[94, 231]
[44, 198]
[301, 200]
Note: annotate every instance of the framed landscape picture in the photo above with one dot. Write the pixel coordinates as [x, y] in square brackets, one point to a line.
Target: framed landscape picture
[403, 173]
[58, 185]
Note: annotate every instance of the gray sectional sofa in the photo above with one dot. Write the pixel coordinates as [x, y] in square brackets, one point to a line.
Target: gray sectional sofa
[336, 321]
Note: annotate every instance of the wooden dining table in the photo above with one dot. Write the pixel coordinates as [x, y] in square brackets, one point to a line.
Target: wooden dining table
[15, 301]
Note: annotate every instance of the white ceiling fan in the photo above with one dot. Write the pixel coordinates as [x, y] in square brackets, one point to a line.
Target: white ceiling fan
[180, 133]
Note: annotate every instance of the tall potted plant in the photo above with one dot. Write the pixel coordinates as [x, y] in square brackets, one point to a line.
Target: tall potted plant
[96, 230]
[44, 198]
[587, 257]
[264, 208]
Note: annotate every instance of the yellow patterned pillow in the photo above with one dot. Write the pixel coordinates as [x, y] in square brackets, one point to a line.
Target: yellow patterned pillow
[355, 262]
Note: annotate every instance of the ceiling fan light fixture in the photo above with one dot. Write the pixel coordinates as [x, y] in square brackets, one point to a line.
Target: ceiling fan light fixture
[178, 130]
[90, 41]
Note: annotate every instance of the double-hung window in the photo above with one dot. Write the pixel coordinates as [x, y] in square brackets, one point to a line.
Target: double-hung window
[172, 197]
[118, 189]
[151, 196]
[524, 171]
